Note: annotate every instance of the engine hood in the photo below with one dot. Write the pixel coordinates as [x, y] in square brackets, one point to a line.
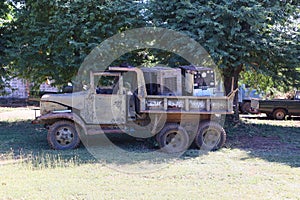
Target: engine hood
[74, 100]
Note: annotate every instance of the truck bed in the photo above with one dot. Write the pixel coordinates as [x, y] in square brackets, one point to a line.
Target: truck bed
[268, 106]
[187, 104]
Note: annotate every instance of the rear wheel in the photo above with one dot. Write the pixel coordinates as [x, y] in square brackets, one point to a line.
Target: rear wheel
[210, 136]
[62, 135]
[279, 114]
[173, 139]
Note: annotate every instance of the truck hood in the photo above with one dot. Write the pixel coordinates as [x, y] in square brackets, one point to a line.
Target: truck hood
[74, 100]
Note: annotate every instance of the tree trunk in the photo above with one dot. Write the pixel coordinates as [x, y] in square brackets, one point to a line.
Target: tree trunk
[231, 78]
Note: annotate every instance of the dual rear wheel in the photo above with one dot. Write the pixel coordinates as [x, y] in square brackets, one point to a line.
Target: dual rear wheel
[210, 136]
[174, 139]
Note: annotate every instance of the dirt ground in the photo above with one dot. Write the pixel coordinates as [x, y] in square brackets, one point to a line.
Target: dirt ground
[262, 134]
[265, 143]
[22, 113]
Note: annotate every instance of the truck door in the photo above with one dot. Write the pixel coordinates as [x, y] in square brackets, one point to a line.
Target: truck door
[109, 99]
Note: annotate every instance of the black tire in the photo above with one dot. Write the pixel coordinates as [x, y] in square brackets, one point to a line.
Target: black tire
[246, 108]
[62, 135]
[279, 114]
[210, 136]
[173, 139]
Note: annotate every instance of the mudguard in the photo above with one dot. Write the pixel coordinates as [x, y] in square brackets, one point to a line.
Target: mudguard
[57, 116]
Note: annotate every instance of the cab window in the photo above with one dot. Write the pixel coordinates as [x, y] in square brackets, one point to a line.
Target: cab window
[107, 84]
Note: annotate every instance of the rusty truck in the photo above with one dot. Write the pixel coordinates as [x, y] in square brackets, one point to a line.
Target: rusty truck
[132, 100]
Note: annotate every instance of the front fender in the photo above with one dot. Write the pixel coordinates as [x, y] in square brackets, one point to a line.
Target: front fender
[43, 119]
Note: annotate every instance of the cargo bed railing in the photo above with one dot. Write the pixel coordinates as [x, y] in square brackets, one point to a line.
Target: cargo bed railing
[188, 104]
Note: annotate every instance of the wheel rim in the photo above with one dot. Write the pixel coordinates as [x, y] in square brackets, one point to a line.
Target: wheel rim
[64, 136]
[279, 115]
[211, 137]
[174, 140]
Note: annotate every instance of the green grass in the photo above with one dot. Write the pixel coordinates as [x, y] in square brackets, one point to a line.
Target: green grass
[272, 140]
[260, 161]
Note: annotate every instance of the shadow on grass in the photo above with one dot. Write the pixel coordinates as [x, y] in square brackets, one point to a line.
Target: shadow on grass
[21, 139]
[273, 143]
[24, 140]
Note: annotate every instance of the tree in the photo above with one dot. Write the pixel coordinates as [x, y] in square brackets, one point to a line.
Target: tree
[5, 18]
[50, 39]
[240, 35]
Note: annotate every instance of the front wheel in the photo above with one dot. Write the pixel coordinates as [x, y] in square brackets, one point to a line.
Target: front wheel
[62, 135]
[210, 136]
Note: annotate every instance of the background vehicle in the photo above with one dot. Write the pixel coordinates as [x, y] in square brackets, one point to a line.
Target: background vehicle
[278, 108]
[245, 95]
[123, 99]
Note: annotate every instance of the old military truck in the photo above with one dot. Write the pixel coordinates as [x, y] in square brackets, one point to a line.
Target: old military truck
[120, 100]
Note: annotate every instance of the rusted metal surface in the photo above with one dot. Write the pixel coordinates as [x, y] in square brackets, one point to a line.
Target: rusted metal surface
[52, 117]
[47, 107]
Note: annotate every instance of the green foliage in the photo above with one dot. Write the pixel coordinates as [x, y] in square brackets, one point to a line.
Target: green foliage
[258, 81]
[50, 39]
[261, 81]
[239, 35]
[150, 57]
[5, 18]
